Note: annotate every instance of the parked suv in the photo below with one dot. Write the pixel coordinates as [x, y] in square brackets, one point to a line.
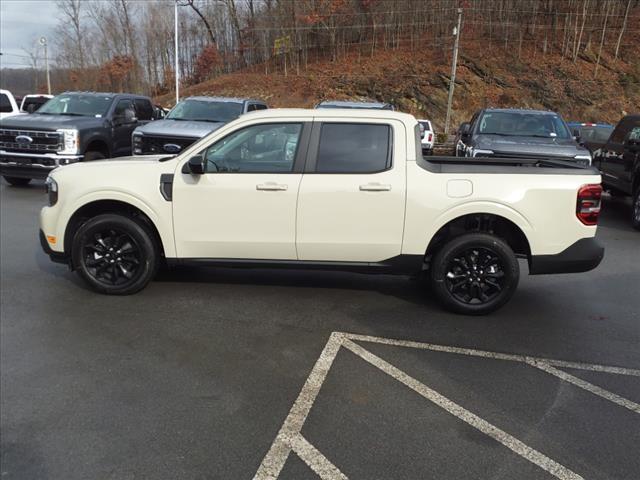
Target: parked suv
[189, 121]
[619, 162]
[510, 133]
[72, 127]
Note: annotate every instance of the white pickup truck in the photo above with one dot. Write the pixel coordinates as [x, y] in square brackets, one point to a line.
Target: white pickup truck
[325, 189]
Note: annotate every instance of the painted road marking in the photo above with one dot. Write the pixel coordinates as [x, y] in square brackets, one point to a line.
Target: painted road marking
[289, 437]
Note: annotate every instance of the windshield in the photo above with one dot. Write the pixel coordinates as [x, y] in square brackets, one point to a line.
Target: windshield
[77, 104]
[523, 125]
[200, 110]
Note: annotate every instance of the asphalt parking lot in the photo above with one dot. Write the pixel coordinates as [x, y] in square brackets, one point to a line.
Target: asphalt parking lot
[232, 374]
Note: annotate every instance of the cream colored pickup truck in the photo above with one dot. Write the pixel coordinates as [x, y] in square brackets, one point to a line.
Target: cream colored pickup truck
[325, 189]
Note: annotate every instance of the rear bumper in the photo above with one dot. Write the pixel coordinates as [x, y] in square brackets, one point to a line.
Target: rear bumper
[32, 165]
[584, 255]
[57, 257]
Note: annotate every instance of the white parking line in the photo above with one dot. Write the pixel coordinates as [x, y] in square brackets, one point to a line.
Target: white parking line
[531, 454]
[601, 392]
[289, 437]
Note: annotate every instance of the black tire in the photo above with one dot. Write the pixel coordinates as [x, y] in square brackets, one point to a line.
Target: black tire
[17, 181]
[90, 156]
[115, 254]
[474, 274]
[635, 210]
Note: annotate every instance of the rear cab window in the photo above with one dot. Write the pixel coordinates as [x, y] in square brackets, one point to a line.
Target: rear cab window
[354, 148]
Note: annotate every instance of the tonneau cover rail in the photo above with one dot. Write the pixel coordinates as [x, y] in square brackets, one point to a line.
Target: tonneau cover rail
[443, 164]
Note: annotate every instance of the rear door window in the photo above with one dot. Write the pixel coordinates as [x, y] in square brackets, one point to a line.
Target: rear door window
[354, 148]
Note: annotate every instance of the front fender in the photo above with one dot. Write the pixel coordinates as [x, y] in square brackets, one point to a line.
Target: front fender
[161, 220]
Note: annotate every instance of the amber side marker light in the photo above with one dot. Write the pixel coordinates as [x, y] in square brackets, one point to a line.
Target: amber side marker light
[588, 204]
[51, 239]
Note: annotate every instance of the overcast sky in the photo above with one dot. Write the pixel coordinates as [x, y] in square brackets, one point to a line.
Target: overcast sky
[22, 22]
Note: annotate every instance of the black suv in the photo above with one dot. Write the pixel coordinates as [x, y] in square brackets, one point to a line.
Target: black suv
[511, 133]
[619, 162]
[71, 127]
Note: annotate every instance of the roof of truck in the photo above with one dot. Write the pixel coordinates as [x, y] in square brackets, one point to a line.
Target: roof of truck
[223, 99]
[332, 113]
[520, 110]
[103, 94]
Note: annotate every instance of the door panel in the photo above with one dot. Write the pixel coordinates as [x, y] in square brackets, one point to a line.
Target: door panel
[244, 207]
[229, 216]
[352, 217]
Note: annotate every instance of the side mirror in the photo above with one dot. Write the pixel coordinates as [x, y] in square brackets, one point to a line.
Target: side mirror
[577, 136]
[465, 129]
[194, 166]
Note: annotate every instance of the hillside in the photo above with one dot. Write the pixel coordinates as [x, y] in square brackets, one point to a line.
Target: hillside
[417, 81]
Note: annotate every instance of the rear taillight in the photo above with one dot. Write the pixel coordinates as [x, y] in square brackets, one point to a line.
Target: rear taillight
[588, 204]
[430, 136]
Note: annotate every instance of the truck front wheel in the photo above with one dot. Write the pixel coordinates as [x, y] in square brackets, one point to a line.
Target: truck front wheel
[114, 254]
[474, 274]
[90, 156]
[17, 181]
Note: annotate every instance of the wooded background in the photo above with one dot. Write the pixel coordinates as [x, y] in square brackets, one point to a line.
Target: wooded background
[128, 45]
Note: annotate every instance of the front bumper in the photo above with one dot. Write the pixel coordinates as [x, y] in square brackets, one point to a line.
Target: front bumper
[584, 255]
[58, 257]
[32, 165]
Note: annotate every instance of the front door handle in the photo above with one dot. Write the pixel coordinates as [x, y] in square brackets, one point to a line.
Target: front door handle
[271, 186]
[375, 187]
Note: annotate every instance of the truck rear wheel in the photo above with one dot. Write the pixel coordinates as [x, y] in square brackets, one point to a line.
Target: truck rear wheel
[474, 274]
[115, 254]
[17, 181]
[635, 210]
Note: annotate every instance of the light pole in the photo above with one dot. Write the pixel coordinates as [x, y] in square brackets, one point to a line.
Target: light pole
[452, 82]
[43, 42]
[176, 52]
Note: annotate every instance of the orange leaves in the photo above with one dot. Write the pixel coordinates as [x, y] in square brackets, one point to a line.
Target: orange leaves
[206, 63]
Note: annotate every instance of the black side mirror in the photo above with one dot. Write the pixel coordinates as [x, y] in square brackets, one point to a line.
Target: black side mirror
[194, 166]
[465, 128]
[577, 135]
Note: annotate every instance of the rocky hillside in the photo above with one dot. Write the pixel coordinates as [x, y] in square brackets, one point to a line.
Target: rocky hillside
[417, 82]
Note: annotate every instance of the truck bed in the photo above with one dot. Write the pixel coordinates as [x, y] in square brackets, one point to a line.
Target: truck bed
[443, 164]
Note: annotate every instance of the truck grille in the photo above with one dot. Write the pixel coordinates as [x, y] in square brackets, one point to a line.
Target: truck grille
[152, 144]
[30, 141]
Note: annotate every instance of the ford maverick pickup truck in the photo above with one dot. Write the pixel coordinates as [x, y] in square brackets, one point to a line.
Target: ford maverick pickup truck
[325, 189]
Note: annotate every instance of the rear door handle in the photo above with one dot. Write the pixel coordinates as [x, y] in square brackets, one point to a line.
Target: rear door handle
[271, 186]
[375, 187]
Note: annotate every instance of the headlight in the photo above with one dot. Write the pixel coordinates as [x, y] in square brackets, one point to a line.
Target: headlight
[52, 190]
[584, 159]
[136, 141]
[71, 141]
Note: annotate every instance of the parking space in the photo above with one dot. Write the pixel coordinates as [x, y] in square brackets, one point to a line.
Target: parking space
[477, 381]
[200, 375]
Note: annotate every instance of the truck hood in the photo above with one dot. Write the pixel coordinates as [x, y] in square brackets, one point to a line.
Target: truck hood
[179, 128]
[36, 121]
[555, 147]
[123, 165]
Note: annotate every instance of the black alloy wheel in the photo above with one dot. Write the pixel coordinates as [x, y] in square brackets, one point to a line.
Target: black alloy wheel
[115, 254]
[112, 257]
[474, 274]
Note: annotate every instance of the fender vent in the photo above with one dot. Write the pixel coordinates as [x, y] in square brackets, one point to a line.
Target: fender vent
[166, 186]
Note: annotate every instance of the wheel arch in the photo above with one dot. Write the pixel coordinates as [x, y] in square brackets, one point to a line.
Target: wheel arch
[481, 222]
[98, 145]
[98, 207]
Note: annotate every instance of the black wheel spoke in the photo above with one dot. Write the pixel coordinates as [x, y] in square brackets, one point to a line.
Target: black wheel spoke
[112, 257]
[475, 275]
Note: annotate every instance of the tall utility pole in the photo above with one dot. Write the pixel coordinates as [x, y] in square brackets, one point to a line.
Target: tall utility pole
[43, 42]
[176, 57]
[452, 82]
